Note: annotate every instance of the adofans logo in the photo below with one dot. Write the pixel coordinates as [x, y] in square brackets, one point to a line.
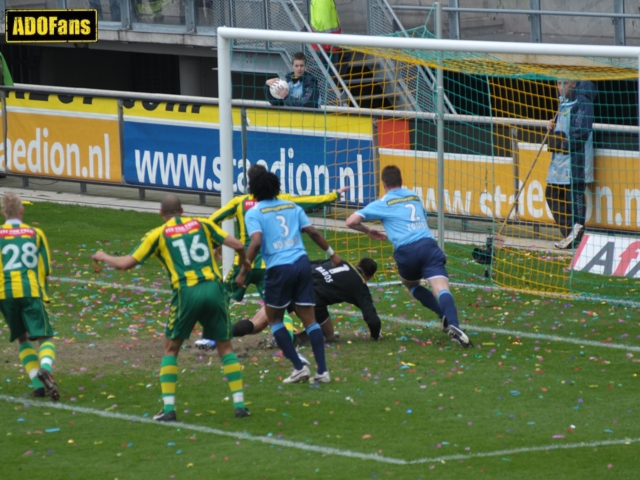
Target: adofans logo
[51, 26]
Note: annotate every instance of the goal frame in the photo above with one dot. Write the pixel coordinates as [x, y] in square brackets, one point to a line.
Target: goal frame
[226, 35]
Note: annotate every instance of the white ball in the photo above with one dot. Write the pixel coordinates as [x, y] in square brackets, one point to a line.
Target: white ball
[279, 89]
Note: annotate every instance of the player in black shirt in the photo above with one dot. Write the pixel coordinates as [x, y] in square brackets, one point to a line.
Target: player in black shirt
[331, 285]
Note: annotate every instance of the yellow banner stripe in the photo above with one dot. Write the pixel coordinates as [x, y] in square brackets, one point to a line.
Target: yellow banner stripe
[70, 103]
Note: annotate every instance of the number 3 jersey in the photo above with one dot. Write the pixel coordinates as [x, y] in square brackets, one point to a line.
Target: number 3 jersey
[280, 223]
[185, 247]
[25, 261]
[402, 216]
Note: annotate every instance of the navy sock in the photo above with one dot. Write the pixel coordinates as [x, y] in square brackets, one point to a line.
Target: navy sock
[283, 339]
[426, 298]
[317, 345]
[448, 307]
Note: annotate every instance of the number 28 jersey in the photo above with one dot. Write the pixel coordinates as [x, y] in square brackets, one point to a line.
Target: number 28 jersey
[185, 247]
[402, 216]
[24, 260]
[280, 223]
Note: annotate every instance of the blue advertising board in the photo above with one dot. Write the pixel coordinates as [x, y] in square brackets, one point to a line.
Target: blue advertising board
[187, 157]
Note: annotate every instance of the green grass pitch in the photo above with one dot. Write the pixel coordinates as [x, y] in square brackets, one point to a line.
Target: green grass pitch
[550, 390]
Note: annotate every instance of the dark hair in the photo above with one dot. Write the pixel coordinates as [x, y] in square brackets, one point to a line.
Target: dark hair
[265, 186]
[253, 170]
[392, 176]
[299, 56]
[368, 266]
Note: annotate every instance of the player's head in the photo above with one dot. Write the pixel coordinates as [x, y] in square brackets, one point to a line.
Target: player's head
[265, 186]
[565, 88]
[368, 268]
[391, 177]
[170, 207]
[253, 170]
[298, 64]
[12, 206]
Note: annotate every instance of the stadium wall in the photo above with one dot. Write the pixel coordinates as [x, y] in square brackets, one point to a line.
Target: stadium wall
[164, 145]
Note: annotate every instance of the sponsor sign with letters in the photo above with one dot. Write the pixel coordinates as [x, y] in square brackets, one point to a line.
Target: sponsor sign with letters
[62, 137]
[608, 255]
[182, 154]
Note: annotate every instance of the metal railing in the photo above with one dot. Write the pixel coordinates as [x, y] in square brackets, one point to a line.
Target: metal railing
[534, 13]
[203, 17]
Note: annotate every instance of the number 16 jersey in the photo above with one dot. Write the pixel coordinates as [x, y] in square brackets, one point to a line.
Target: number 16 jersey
[185, 247]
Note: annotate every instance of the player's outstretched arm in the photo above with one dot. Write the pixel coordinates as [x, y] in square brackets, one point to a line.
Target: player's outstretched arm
[319, 240]
[354, 222]
[124, 262]
[314, 201]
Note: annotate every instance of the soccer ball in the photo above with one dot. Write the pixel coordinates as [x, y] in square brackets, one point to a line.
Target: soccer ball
[279, 89]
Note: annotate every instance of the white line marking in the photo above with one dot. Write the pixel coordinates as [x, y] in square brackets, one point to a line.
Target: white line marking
[109, 284]
[503, 331]
[314, 448]
[203, 429]
[421, 323]
[541, 448]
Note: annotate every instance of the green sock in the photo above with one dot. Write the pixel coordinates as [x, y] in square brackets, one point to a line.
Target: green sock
[233, 372]
[29, 359]
[47, 355]
[168, 380]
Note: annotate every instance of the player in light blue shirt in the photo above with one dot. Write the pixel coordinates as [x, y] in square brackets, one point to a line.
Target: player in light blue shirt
[283, 245]
[275, 225]
[415, 250]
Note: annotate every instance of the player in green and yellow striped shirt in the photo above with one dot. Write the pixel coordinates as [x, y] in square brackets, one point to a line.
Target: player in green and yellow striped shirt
[24, 261]
[237, 208]
[185, 247]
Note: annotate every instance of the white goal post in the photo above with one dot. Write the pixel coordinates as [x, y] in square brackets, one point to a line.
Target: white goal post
[226, 35]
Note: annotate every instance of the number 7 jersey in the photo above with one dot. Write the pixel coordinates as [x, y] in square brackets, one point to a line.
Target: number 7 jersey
[185, 247]
[24, 260]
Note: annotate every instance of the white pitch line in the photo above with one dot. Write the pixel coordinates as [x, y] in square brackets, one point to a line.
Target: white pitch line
[314, 448]
[109, 284]
[420, 323]
[503, 331]
[214, 431]
[542, 448]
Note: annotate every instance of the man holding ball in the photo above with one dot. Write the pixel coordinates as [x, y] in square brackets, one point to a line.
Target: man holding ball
[299, 89]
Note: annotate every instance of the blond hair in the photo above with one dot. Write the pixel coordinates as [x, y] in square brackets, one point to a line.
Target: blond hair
[11, 205]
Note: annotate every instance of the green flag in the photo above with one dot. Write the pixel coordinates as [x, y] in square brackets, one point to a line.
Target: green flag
[5, 74]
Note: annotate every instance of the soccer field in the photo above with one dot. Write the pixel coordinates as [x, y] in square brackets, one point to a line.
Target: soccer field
[549, 391]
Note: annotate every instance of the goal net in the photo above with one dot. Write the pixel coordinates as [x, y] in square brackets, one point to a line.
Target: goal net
[502, 192]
